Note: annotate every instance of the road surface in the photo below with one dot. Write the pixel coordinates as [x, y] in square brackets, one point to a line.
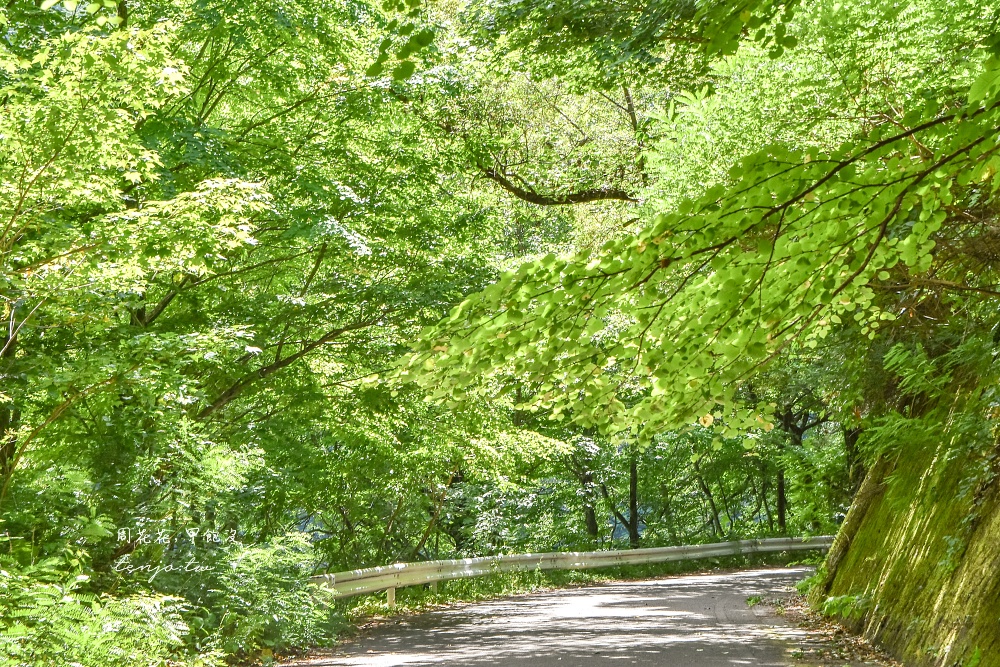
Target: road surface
[697, 620]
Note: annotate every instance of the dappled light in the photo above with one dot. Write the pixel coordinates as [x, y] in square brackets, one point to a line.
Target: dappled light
[319, 311]
[693, 620]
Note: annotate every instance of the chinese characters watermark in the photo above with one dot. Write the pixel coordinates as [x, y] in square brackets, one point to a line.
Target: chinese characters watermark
[141, 536]
[163, 536]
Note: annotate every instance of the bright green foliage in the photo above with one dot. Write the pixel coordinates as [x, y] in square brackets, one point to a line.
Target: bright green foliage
[817, 282]
[217, 224]
[698, 301]
[226, 223]
[223, 225]
[260, 596]
[45, 621]
[605, 42]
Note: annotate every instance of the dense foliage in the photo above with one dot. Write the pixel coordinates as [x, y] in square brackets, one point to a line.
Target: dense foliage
[682, 271]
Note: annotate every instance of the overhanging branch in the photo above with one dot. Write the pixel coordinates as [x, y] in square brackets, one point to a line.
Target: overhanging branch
[532, 197]
[237, 387]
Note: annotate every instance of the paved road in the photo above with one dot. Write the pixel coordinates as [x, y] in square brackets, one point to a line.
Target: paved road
[698, 620]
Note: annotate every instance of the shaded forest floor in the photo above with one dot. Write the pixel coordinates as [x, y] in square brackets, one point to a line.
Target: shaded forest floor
[826, 642]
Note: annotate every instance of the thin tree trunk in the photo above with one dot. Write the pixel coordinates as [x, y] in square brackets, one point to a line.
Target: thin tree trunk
[392, 520]
[668, 514]
[782, 501]
[434, 517]
[716, 524]
[755, 514]
[765, 490]
[634, 120]
[633, 499]
[10, 416]
[726, 504]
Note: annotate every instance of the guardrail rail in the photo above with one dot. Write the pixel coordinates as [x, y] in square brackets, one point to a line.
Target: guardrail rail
[398, 575]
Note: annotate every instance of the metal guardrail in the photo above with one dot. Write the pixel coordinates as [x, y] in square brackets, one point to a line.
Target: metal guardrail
[390, 577]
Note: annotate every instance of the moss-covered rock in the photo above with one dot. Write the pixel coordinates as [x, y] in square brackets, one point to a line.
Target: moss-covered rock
[916, 566]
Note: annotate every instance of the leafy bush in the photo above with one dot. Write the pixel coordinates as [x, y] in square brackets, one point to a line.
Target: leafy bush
[261, 601]
[846, 606]
[45, 621]
[807, 584]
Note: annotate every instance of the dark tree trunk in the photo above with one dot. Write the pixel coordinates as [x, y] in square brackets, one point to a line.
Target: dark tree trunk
[581, 470]
[714, 518]
[633, 500]
[782, 501]
[590, 518]
[795, 424]
[631, 522]
[10, 416]
[855, 465]
[765, 490]
[589, 513]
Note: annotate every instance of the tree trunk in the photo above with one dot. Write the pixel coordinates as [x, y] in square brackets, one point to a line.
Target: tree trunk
[590, 518]
[10, 416]
[633, 499]
[795, 424]
[765, 489]
[726, 505]
[855, 465]
[436, 514]
[631, 522]
[714, 518]
[586, 479]
[782, 501]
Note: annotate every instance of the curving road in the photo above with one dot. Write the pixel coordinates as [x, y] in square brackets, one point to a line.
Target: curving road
[701, 620]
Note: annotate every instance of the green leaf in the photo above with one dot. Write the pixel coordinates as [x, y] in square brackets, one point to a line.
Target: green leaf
[404, 70]
[424, 37]
[988, 83]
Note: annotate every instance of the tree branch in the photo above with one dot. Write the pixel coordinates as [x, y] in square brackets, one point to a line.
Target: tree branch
[614, 507]
[236, 388]
[532, 197]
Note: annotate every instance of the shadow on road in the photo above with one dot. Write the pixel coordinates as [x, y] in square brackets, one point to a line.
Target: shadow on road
[699, 620]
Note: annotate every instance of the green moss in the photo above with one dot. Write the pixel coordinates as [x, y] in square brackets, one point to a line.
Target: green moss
[921, 547]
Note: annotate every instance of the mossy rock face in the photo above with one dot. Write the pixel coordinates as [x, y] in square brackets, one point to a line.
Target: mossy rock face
[919, 556]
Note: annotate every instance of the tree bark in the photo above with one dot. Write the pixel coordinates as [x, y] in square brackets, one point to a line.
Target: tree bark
[435, 516]
[590, 518]
[714, 518]
[795, 425]
[633, 499]
[10, 415]
[237, 388]
[782, 500]
[631, 522]
[634, 120]
[855, 465]
[581, 469]
[533, 197]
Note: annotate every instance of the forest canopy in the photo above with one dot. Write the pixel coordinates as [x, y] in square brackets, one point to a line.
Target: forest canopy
[299, 287]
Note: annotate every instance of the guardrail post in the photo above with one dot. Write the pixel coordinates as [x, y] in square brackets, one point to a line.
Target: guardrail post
[390, 597]
[434, 587]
